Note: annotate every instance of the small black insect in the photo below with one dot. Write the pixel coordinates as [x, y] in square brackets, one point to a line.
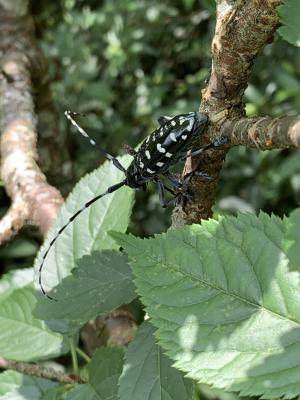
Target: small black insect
[163, 148]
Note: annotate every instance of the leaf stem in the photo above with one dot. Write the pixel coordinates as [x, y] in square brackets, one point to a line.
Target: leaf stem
[83, 354]
[196, 394]
[74, 355]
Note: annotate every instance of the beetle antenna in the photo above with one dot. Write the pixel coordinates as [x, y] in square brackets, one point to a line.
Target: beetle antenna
[69, 115]
[88, 204]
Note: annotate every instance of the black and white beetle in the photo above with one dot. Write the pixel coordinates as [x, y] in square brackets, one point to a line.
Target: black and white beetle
[163, 148]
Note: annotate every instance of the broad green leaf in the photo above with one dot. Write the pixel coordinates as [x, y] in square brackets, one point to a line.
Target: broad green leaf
[289, 13]
[103, 374]
[57, 393]
[16, 386]
[88, 232]
[23, 337]
[293, 244]
[14, 279]
[20, 247]
[209, 393]
[148, 373]
[100, 283]
[226, 306]
[82, 392]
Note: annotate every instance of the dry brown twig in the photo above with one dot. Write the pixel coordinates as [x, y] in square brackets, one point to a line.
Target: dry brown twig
[39, 371]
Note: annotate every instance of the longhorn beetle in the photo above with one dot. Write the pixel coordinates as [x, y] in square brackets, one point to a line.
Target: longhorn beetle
[163, 148]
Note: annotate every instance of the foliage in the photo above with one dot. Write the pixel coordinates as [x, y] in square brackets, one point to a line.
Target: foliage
[224, 302]
[160, 65]
[100, 283]
[31, 338]
[222, 297]
[103, 373]
[147, 372]
[88, 232]
[16, 386]
[289, 13]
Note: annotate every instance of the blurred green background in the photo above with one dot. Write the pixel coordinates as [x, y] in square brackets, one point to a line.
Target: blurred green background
[124, 64]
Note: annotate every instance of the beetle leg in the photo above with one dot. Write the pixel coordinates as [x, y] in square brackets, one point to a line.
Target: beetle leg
[216, 143]
[161, 193]
[175, 182]
[203, 174]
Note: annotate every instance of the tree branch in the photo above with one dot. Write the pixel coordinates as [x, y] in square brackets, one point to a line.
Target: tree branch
[14, 219]
[33, 199]
[265, 133]
[242, 29]
[39, 371]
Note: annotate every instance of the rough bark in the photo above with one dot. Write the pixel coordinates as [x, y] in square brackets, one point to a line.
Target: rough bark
[243, 27]
[34, 201]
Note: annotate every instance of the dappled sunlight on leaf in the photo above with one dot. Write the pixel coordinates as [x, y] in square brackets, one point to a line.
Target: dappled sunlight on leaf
[228, 309]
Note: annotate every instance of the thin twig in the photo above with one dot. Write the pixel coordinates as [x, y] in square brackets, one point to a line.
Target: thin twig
[265, 133]
[39, 371]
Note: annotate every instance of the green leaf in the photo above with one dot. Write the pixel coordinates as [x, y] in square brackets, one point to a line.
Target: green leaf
[82, 392]
[148, 374]
[226, 307]
[88, 232]
[16, 386]
[293, 244]
[58, 393]
[188, 4]
[23, 337]
[100, 283]
[15, 279]
[103, 374]
[209, 393]
[21, 247]
[289, 13]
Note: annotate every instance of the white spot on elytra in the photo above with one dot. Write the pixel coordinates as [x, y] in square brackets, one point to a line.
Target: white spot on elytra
[142, 164]
[173, 123]
[147, 140]
[160, 164]
[150, 171]
[172, 136]
[92, 142]
[181, 121]
[190, 126]
[160, 148]
[147, 154]
[184, 137]
[169, 155]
